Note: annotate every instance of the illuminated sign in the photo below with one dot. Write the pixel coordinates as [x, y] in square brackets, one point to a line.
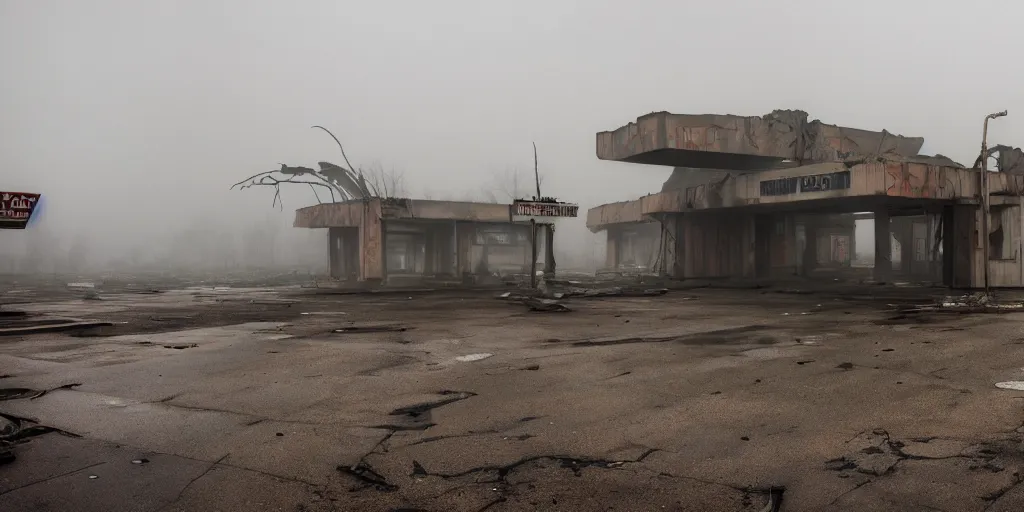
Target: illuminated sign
[16, 209]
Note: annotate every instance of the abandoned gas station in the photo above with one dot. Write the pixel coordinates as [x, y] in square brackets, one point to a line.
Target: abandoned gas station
[390, 239]
[778, 196]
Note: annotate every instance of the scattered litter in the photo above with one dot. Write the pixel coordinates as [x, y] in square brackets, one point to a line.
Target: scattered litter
[371, 328]
[93, 477]
[473, 357]
[774, 499]
[1015, 385]
[140, 461]
[545, 305]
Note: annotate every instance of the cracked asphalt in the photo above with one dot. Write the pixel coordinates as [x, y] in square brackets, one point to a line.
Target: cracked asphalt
[241, 399]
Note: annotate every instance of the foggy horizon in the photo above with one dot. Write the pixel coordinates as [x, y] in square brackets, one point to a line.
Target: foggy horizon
[133, 119]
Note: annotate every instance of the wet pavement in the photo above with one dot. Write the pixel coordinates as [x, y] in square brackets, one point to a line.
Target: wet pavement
[240, 399]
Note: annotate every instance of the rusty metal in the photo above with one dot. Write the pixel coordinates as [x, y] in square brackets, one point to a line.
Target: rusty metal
[533, 254]
[983, 191]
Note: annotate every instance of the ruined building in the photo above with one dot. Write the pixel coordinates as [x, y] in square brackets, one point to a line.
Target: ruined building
[377, 239]
[779, 195]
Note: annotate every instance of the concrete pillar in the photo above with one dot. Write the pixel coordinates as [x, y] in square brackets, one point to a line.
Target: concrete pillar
[549, 249]
[334, 263]
[611, 259]
[456, 270]
[883, 247]
[904, 230]
[810, 256]
[429, 267]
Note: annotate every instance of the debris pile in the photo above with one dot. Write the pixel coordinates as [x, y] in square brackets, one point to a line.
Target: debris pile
[967, 303]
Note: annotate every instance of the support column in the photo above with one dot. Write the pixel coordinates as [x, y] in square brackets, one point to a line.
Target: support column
[905, 232]
[335, 264]
[549, 249]
[429, 267]
[611, 259]
[883, 247]
[810, 256]
[456, 271]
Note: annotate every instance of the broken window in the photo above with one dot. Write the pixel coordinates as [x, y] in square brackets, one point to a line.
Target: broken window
[1004, 232]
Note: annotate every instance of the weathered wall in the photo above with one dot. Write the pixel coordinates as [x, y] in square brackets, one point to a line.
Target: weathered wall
[686, 177]
[715, 245]
[830, 181]
[371, 236]
[1006, 268]
[330, 215]
[1006, 263]
[600, 217]
[348, 214]
[452, 210]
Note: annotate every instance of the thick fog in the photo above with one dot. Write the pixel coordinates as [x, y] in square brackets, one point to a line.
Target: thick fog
[133, 118]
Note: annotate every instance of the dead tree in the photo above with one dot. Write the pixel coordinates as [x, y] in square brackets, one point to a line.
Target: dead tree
[343, 183]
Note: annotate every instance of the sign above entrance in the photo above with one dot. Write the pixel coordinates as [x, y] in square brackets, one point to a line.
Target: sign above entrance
[814, 183]
[544, 209]
[16, 209]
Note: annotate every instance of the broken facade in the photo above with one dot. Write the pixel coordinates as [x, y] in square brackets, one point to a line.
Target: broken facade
[782, 196]
[386, 240]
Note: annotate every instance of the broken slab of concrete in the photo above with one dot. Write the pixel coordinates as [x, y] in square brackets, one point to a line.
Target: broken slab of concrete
[742, 143]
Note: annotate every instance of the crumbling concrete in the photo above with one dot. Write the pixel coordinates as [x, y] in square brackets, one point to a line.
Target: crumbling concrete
[745, 143]
[1009, 160]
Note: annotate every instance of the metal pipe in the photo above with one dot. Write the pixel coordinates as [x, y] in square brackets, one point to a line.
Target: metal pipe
[533, 254]
[985, 206]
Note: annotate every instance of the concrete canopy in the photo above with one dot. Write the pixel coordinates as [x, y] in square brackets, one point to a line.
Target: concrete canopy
[745, 143]
[350, 213]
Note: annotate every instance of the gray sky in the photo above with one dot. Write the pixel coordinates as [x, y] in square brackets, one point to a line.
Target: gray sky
[133, 115]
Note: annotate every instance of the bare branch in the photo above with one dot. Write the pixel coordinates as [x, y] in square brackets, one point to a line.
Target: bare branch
[343, 155]
[318, 201]
[251, 178]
